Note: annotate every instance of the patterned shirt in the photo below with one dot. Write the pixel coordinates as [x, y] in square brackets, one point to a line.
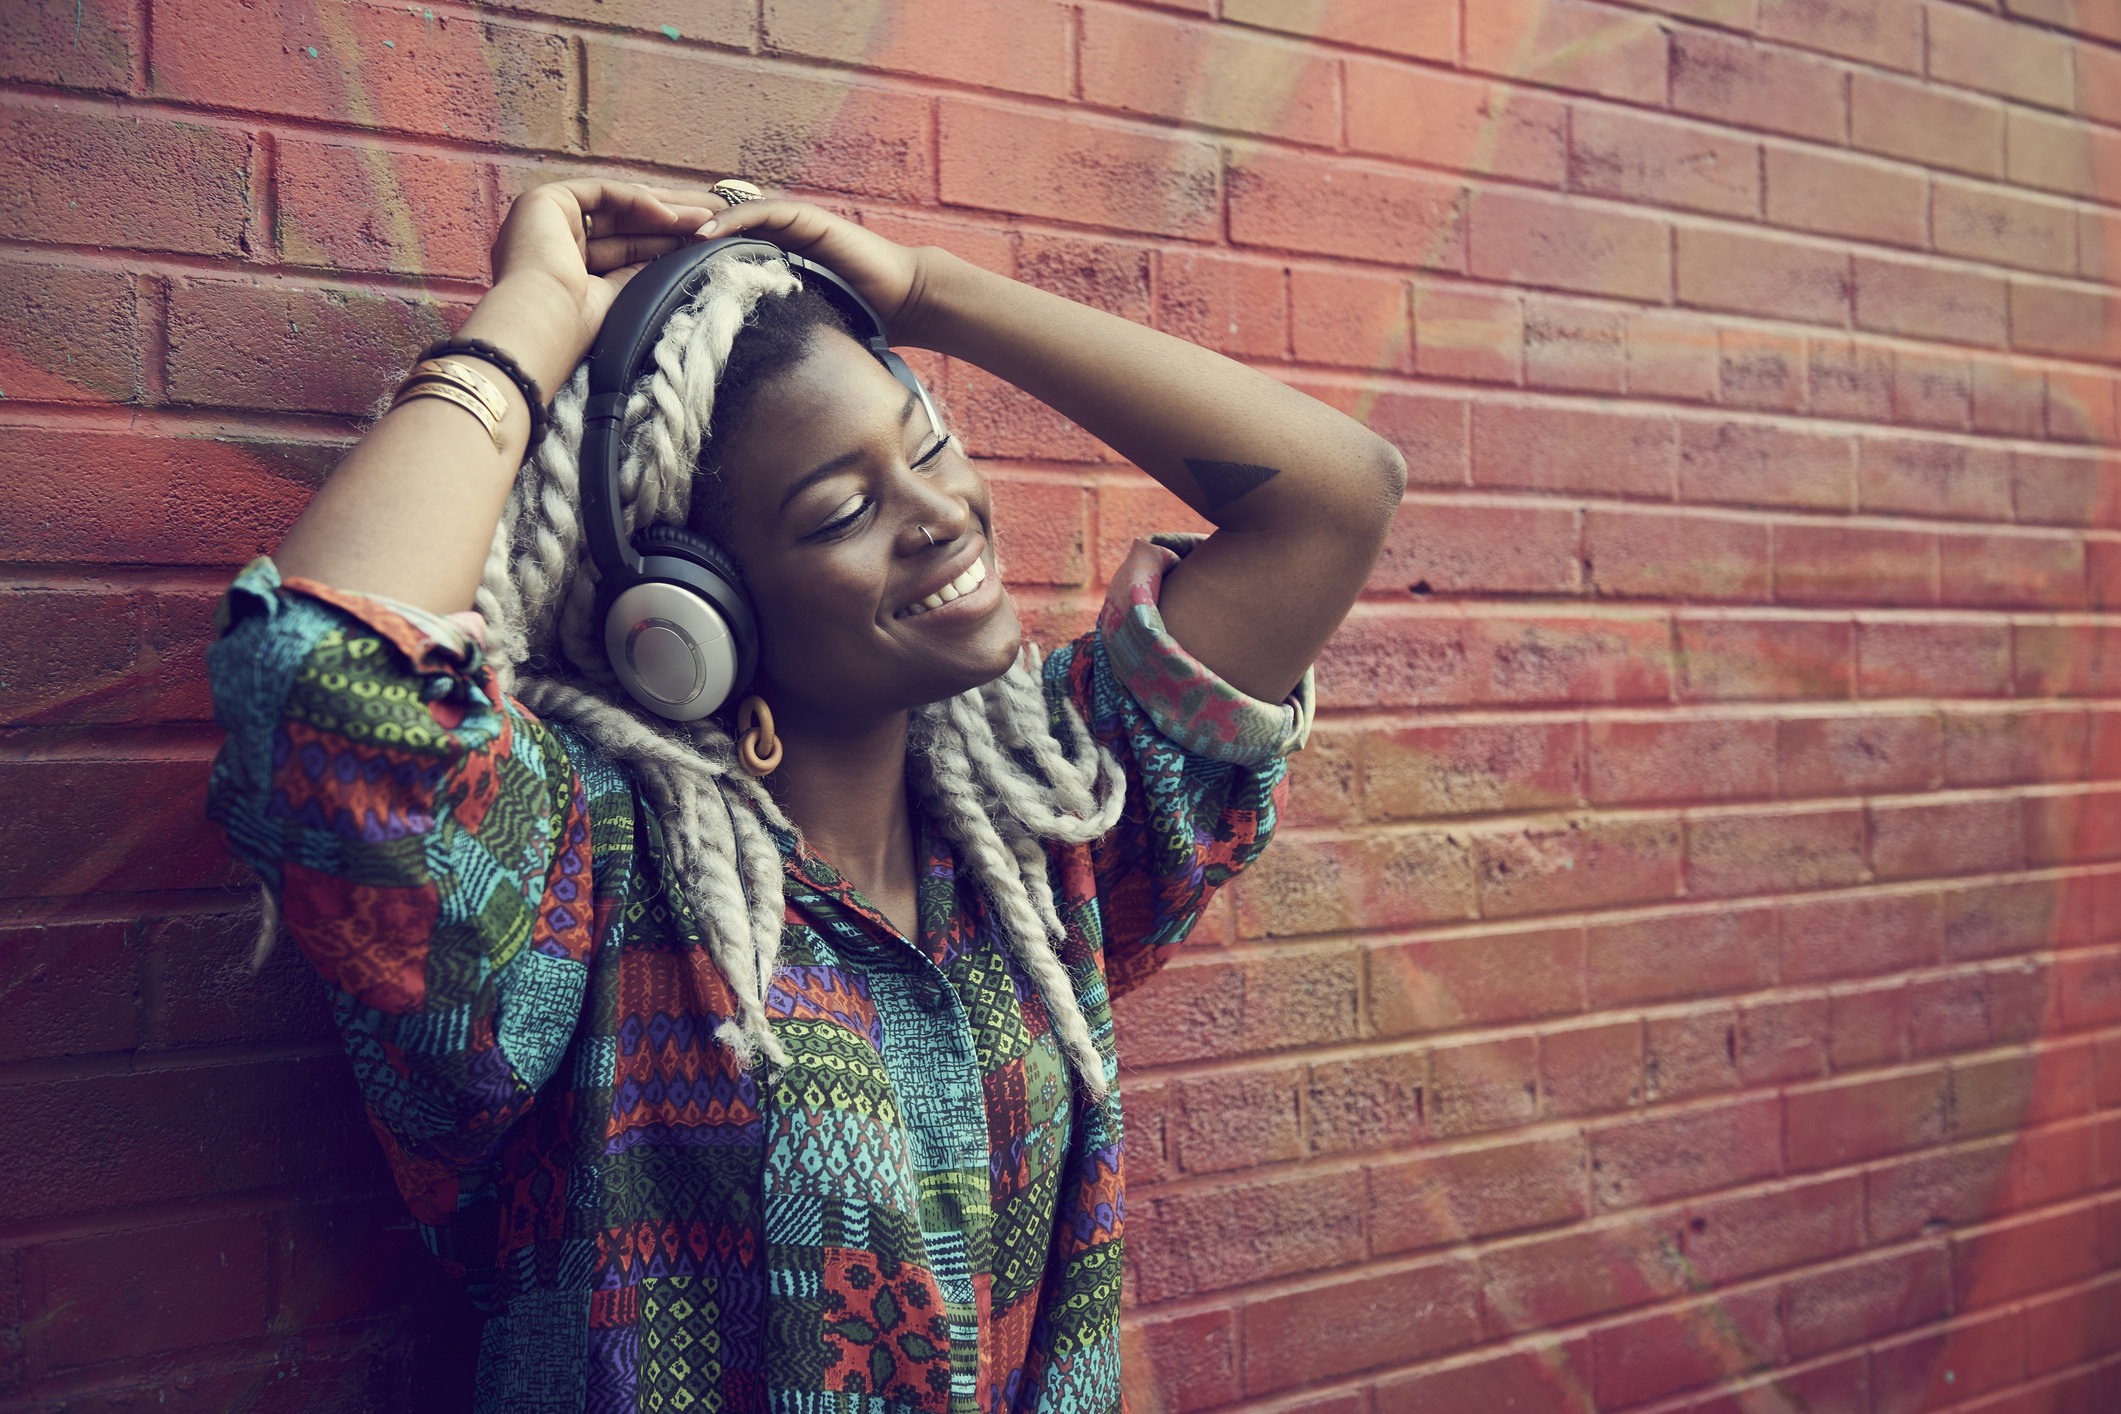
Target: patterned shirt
[919, 1211]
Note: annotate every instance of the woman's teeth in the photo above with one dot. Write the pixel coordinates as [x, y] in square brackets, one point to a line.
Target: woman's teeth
[974, 576]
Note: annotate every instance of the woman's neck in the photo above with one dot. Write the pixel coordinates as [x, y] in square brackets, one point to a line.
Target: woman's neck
[845, 789]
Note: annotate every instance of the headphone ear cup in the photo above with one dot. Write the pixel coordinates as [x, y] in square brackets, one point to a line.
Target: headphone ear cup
[681, 638]
[693, 547]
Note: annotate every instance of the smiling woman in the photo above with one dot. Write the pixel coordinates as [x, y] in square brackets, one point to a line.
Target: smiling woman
[748, 1042]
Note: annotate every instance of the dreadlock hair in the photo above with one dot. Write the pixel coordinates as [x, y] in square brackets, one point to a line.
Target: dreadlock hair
[996, 768]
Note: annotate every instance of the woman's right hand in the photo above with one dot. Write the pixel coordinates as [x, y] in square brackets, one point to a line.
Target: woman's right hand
[552, 287]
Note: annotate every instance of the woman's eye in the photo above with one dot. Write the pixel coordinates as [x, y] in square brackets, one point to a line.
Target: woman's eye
[850, 513]
[933, 452]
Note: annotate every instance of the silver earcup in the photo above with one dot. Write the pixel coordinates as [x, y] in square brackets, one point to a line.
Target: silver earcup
[671, 650]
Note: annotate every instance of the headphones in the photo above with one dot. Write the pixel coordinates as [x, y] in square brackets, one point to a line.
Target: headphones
[678, 625]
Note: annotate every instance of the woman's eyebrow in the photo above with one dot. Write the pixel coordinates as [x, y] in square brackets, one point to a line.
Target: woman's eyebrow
[844, 459]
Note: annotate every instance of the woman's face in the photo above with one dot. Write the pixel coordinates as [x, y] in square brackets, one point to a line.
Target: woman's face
[833, 472]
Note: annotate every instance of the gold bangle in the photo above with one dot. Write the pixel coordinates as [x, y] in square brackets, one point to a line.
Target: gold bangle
[465, 376]
[449, 392]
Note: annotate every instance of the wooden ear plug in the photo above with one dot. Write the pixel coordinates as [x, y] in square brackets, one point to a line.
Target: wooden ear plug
[756, 746]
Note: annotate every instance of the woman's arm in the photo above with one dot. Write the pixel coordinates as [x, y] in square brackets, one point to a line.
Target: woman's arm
[1301, 496]
[410, 511]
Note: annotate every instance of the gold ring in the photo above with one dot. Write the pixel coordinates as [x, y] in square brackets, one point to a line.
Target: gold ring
[734, 193]
[589, 226]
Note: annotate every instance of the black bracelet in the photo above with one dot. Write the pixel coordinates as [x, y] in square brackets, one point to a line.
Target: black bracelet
[525, 384]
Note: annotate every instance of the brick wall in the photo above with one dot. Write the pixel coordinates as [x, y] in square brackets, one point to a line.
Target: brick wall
[1689, 978]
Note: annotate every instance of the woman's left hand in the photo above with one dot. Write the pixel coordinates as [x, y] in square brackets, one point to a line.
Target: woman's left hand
[890, 276]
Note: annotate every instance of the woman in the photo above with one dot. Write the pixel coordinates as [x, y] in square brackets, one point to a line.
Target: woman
[729, 1089]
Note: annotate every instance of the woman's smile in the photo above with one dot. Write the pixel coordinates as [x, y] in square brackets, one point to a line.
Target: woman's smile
[963, 589]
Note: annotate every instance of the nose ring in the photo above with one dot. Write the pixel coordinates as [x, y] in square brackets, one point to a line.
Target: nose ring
[931, 538]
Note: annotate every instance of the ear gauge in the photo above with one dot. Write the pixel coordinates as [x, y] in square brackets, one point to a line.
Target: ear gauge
[757, 748]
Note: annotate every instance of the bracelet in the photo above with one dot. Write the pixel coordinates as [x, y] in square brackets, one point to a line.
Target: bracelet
[533, 395]
[450, 392]
[465, 376]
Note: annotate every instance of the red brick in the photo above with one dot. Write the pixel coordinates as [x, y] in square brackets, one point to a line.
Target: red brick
[157, 186]
[1859, 937]
[1847, 755]
[1788, 1038]
[1996, 920]
[1126, 511]
[2018, 1259]
[1670, 956]
[1933, 389]
[1234, 1119]
[2060, 487]
[1375, 1102]
[1238, 307]
[1850, 378]
[1607, 1267]
[1526, 240]
[68, 335]
[1664, 758]
[1352, 319]
[1429, 429]
[1463, 770]
[1557, 449]
[1468, 333]
[1334, 886]
[1681, 1347]
[2059, 154]
[1592, 1069]
[1756, 86]
[1975, 51]
[197, 986]
[1102, 274]
[2010, 397]
[2089, 985]
[349, 208]
[2098, 68]
[1047, 531]
[2074, 1327]
[2081, 407]
[1212, 1238]
[162, 1289]
[1811, 190]
[1439, 984]
[1568, 44]
[1019, 46]
[2103, 747]
[1755, 464]
[2015, 570]
[2072, 828]
[1574, 346]
[1759, 369]
[257, 347]
[1972, 1008]
[1833, 1386]
[1688, 1054]
[69, 989]
[2066, 660]
[1671, 356]
[1930, 477]
[1983, 223]
[128, 820]
[1005, 160]
[1419, 31]
[1168, 67]
[1359, 1323]
[1554, 1376]
[1933, 126]
[1335, 208]
[1556, 659]
[1931, 302]
[2098, 244]
[1719, 269]
[1323, 781]
[1476, 1086]
[1830, 564]
[1883, 32]
[1576, 864]
[73, 656]
[1841, 1121]
[1728, 1239]
[1731, 854]
[1731, 658]
[1192, 1010]
[1867, 1298]
[1948, 837]
[1301, 999]
[95, 46]
[1617, 154]
[1476, 1193]
[1664, 555]
[981, 245]
[1396, 660]
[1459, 124]
[1868, 1026]
[1933, 659]
[2069, 323]
[171, 1134]
[1189, 1360]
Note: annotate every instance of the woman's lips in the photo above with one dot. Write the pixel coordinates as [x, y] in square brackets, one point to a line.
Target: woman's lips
[965, 585]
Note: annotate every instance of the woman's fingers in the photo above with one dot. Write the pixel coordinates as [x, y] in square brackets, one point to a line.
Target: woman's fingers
[610, 253]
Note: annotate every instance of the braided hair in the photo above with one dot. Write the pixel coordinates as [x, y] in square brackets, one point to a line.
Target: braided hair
[998, 769]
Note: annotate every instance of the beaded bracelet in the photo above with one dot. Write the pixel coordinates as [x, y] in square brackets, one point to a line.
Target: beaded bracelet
[533, 395]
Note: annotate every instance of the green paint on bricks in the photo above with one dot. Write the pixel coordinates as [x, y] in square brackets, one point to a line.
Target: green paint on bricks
[670, 31]
[312, 51]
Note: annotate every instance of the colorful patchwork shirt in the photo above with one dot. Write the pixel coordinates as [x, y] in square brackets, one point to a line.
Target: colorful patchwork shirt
[918, 1212]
